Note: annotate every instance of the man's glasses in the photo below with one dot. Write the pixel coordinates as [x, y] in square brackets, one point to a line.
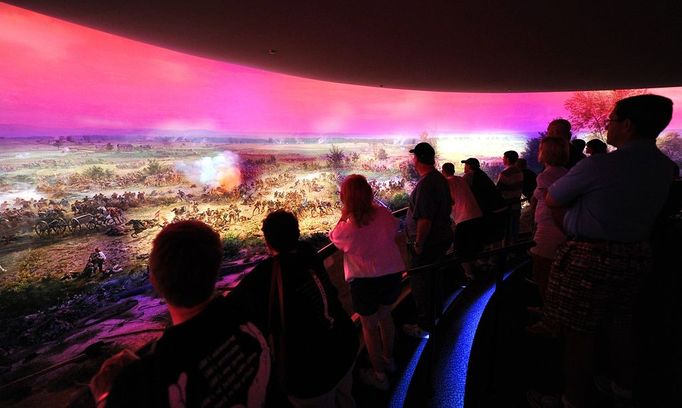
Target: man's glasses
[608, 121]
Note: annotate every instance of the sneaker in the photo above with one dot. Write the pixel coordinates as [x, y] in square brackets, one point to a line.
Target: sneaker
[538, 400]
[368, 376]
[413, 330]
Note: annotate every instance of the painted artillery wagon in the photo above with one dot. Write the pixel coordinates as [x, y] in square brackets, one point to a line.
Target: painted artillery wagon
[51, 222]
[83, 222]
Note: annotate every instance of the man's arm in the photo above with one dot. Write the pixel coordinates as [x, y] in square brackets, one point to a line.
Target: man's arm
[500, 180]
[581, 178]
[551, 202]
[423, 229]
[102, 382]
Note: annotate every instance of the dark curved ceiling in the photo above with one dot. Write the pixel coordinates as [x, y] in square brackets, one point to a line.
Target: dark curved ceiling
[466, 45]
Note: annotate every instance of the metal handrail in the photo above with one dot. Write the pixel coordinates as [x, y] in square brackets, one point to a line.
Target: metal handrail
[329, 249]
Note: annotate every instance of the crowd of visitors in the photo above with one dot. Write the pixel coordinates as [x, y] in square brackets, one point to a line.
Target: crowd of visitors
[282, 335]
[611, 203]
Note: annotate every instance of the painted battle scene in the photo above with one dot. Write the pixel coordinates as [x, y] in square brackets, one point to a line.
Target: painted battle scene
[104, 140]
[66, 200]
[78, 215]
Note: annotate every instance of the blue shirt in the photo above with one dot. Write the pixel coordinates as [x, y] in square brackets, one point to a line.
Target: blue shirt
[615, 196]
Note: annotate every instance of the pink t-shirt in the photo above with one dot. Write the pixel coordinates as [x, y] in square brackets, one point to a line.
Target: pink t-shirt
[548, 236]
[543, 215]
[464, 205]
[369, 251]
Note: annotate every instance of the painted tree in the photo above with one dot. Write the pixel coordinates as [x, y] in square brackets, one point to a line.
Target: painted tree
[531, 152]
[153, 167]
[380, 154]
[588, 110]
[335, 157]
[671, 144]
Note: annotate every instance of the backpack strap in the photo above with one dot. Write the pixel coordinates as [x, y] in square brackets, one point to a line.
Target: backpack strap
[277, 300]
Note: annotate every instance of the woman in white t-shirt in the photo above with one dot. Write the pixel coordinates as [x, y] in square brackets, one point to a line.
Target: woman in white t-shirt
[373, 266]
[553, 153]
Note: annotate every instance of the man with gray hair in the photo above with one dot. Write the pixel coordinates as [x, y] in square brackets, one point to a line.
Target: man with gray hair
[562, 128]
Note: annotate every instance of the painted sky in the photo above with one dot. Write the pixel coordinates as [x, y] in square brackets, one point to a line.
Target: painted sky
[56, 74]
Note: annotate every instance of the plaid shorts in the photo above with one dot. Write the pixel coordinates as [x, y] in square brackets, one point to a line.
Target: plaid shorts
[592, 281]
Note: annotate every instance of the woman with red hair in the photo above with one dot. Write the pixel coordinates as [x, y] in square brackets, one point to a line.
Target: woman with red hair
[373, 266]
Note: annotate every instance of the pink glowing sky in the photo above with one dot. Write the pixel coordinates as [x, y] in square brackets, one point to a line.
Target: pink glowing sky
[59, 75]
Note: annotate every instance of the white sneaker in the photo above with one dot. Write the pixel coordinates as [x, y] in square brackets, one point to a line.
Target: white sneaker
[369, 377]
[414, 330]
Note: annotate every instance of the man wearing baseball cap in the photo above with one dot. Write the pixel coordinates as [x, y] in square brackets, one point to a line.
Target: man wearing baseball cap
[487, 196]
[429, 234]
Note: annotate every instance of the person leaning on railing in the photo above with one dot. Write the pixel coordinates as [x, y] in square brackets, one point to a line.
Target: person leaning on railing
[429, 236]
[366, 233]
[313, 340]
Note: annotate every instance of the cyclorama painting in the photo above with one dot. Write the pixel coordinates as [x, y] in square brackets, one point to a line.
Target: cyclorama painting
[78, 214]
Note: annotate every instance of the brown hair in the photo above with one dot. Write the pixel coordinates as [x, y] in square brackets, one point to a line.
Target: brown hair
[281, 232]
[448, 168]
[356, 196]
[184, 262]
[554, 151]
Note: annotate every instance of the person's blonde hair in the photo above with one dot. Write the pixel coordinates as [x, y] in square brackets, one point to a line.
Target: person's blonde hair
[356, 196]
[554, 151]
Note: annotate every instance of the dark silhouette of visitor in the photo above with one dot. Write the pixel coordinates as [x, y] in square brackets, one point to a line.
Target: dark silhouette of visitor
[212, 354]
[579, 146]
[312, 338]
[489, 200]
[595, 146]
[529, 178]
[429, 235]
[612, 203]
[467, 219]
[510, 185]
[562, 128]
